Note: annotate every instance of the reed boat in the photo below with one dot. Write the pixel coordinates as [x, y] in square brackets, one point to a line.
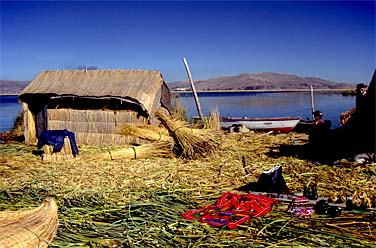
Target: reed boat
[29, 228]
[279, 124]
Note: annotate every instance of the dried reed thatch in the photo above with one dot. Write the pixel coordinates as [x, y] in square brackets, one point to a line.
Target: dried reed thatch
[29, 228]
[157, 149]
[361, 200]
[139, 203]
[147, 132]
[213, 122]
[190, 143]
[345, 116]
[142, 87]
[178, 111]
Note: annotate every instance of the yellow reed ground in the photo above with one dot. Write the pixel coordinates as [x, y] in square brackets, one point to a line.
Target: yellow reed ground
[90, 192]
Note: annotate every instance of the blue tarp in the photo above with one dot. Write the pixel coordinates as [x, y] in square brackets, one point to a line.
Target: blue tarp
[56, 139]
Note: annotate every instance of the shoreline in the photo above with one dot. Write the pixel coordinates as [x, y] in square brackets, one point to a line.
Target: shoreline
[242, 91]
[263, 91]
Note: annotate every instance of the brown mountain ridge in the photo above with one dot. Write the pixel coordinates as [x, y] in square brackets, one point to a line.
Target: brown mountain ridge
[245, 81]
[11, 87]
[261, 81]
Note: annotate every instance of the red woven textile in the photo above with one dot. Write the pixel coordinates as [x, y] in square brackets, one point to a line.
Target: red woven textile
[232, 210]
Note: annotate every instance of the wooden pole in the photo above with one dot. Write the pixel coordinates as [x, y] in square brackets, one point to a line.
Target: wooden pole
[312, 103]
[193, 89]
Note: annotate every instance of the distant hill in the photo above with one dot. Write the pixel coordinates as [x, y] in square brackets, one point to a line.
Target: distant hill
[261, 81]
[246, 81]
[8, 87]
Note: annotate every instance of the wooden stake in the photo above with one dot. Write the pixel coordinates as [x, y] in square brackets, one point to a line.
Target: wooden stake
[193, 90]
[312, 103]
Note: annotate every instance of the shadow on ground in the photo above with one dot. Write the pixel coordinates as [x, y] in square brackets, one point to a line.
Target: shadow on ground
[324, 153]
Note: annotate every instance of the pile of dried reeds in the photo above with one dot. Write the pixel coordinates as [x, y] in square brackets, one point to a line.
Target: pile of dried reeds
[178, 111]
[29, 228]
[147, 132]
[153, 219]
[136, 203]
[161, 149]
[213, 122]
[190, 143]
[345, 116]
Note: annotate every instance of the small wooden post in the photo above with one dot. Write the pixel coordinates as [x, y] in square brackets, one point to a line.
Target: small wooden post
[312, 103]
[193, 90]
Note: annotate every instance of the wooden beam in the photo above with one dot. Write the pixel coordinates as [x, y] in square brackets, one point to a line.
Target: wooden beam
[193, 89]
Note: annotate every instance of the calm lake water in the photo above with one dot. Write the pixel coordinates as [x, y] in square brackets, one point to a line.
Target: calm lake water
[270, 104]
[235, 105]
[9, 109]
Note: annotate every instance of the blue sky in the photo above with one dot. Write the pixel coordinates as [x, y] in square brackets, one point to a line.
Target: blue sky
[330, 40]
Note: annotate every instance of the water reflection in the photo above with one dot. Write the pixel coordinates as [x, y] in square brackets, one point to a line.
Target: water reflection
[235, 105]
[271, 105]
[9, 109]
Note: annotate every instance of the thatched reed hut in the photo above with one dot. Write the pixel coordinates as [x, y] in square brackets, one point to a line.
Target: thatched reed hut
[92, 103]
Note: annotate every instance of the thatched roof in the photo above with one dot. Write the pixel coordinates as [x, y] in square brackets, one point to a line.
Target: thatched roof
[138, 86]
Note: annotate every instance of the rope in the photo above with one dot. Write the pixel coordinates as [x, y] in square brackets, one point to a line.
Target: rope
[176, 129]
[134, 150]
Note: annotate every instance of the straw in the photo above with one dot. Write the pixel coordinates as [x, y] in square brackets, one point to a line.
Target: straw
[138, 202]
[190, 143]
[147, 132]
[29, 228]
[158, 149]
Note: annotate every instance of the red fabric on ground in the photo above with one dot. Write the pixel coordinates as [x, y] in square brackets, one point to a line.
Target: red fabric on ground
[232, 210]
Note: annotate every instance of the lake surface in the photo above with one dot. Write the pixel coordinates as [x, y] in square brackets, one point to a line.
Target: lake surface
[274, 104]
[234, 104]
[9, 109]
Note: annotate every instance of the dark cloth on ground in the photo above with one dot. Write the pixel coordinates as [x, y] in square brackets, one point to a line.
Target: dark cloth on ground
[56, 139]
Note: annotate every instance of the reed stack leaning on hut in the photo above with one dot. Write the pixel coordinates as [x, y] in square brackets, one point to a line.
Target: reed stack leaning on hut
[186, 142]
[190, 143]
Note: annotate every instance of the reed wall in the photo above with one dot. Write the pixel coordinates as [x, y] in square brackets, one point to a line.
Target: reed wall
[30, 132]
[95, 127]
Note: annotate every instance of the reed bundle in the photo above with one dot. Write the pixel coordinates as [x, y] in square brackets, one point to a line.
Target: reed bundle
[190, 143]
[213, 122]
[147, 132]
[361, 200]
[157, 149]
[29, 228]
[345, 116]
[178, 111]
